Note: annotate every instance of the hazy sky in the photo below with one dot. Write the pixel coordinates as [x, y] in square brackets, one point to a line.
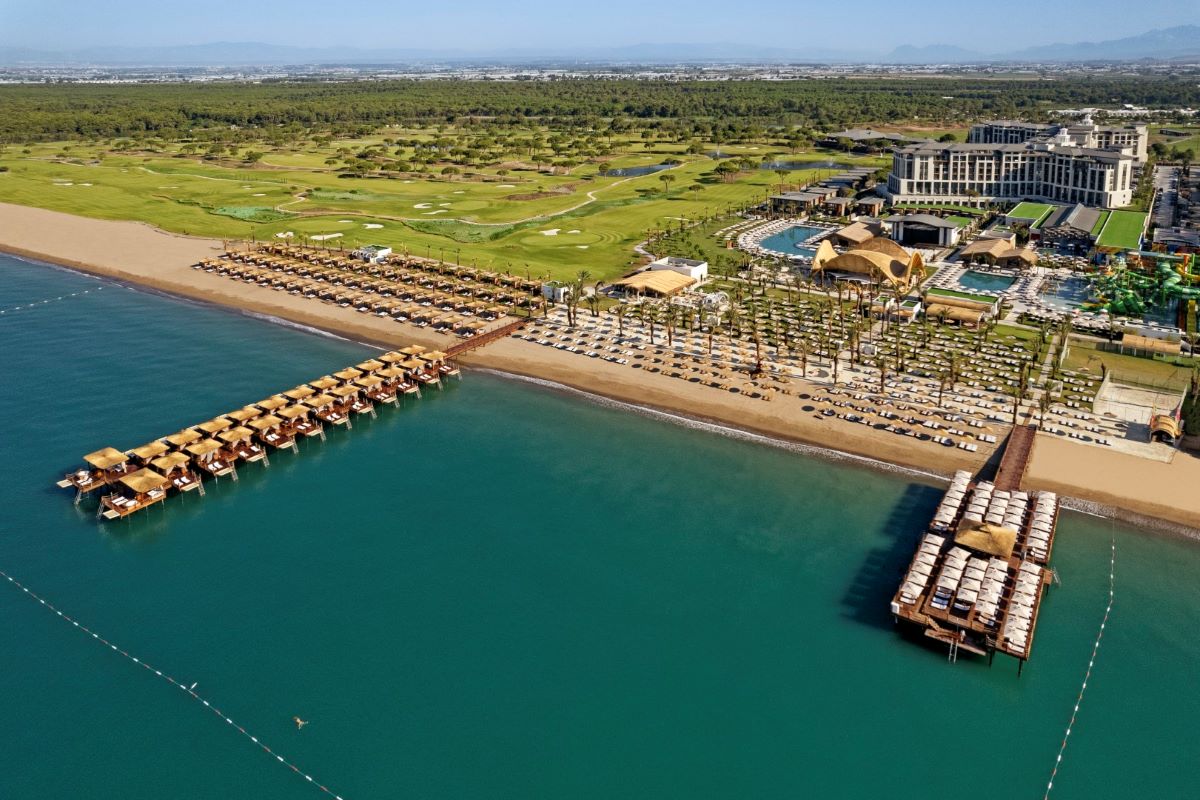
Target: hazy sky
[500, 24]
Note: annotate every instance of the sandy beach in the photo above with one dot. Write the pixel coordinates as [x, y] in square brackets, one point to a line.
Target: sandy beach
[146, 256]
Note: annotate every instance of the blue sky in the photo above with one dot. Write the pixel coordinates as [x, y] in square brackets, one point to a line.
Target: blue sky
[494, 24]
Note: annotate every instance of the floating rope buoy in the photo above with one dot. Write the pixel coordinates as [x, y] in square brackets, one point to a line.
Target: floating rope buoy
[48, 300]
[1087, 675]
[190, 690]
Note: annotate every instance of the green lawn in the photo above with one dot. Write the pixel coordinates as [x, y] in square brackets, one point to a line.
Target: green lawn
[1083, 356]
[963, 295]
[1099, 226]
[1123, 231]
[1030, 211]
[523, 219]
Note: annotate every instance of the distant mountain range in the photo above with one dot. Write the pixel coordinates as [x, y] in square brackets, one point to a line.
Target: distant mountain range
[1164, 44]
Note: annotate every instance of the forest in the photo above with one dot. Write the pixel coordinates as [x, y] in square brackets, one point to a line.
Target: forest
[716, 111]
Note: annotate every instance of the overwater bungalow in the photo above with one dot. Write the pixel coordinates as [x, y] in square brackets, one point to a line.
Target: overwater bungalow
[301, 392]
[142, 456]
[271, 430]
[435, 360]
[245, 414]
[370, 365]
[273, 403]
[376, 388]
[240, 442]
[176, 467]
[325, 384]
[324, 408]
[104, 466]
[182, 439]
[211, 456]
[348, 374]
[351, 398]
[135, 491]
[215, 425]
[299, 421]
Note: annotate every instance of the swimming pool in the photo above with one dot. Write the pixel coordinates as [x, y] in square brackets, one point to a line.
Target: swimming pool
[985, 281]
[789, 242]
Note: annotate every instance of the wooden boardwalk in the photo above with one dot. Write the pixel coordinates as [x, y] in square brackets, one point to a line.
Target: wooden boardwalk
[485, 338]
[1016, 458]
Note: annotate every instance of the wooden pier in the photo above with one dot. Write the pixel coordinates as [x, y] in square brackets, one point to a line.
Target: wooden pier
[978, 577]
[131, 480]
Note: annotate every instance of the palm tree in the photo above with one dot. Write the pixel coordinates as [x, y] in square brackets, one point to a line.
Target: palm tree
[619, 311]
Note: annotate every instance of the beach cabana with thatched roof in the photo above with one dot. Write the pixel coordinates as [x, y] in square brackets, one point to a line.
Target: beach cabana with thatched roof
[995, 540]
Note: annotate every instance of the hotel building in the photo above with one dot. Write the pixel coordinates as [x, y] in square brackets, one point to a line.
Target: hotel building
[1011, 161]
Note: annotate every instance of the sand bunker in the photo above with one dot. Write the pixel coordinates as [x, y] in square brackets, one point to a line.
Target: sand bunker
[435, 211]
[323, 236]
[507, 186]
[574, 231]
[63, 183]
[423, 205]
[582, 246]
[443, 205]
[372, 225]
[551, 232]
[460, 191]
[259, 194]
[346, 221]
[286, 235]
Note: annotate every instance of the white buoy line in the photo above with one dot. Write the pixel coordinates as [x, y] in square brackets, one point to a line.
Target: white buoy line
[190, 690]
[48, 300]
[1087, 675]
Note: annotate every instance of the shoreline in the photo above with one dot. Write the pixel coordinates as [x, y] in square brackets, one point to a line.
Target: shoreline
[145, 258]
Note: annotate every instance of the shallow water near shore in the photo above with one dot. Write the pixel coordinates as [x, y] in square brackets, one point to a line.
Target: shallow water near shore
[505, 592]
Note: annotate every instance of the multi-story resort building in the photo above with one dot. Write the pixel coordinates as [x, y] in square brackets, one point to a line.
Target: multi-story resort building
[1129, 139]
[1010, 161]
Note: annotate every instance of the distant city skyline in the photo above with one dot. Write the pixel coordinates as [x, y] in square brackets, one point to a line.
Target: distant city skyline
[869, 26]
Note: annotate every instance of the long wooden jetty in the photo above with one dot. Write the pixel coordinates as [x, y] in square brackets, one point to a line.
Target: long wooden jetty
[978, 577]
[131, 480]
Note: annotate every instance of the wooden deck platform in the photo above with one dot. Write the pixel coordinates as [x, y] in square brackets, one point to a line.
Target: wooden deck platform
[978, 577]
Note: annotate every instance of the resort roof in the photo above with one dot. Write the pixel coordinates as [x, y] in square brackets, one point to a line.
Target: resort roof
[659, 281]
[370, 365]
[106, 458]
[348, 374]
[1151, 344]
[1078, 216]
[922, 219]
[144, 480]
[434, 355]
[343, 391]
[987, 538]
[245, 413]
[322, 384]
[318, 400]
[183, 437]
[956, 313]
[150, 450]
[412, 350]
[214, 425]
[856, 232]
[262, 423]
[293, 412]
[237, 434]
[204, 447]
[170, 461]
[999, 248]
[367, 381]
[300, 392]
[272, 403]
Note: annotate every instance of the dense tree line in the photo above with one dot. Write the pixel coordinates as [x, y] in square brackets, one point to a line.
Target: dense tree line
[714, 111]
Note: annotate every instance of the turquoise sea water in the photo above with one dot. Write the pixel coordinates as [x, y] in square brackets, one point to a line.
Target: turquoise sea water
[502, 592]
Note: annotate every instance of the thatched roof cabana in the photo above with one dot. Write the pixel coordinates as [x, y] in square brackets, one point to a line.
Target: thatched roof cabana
[106, 458]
